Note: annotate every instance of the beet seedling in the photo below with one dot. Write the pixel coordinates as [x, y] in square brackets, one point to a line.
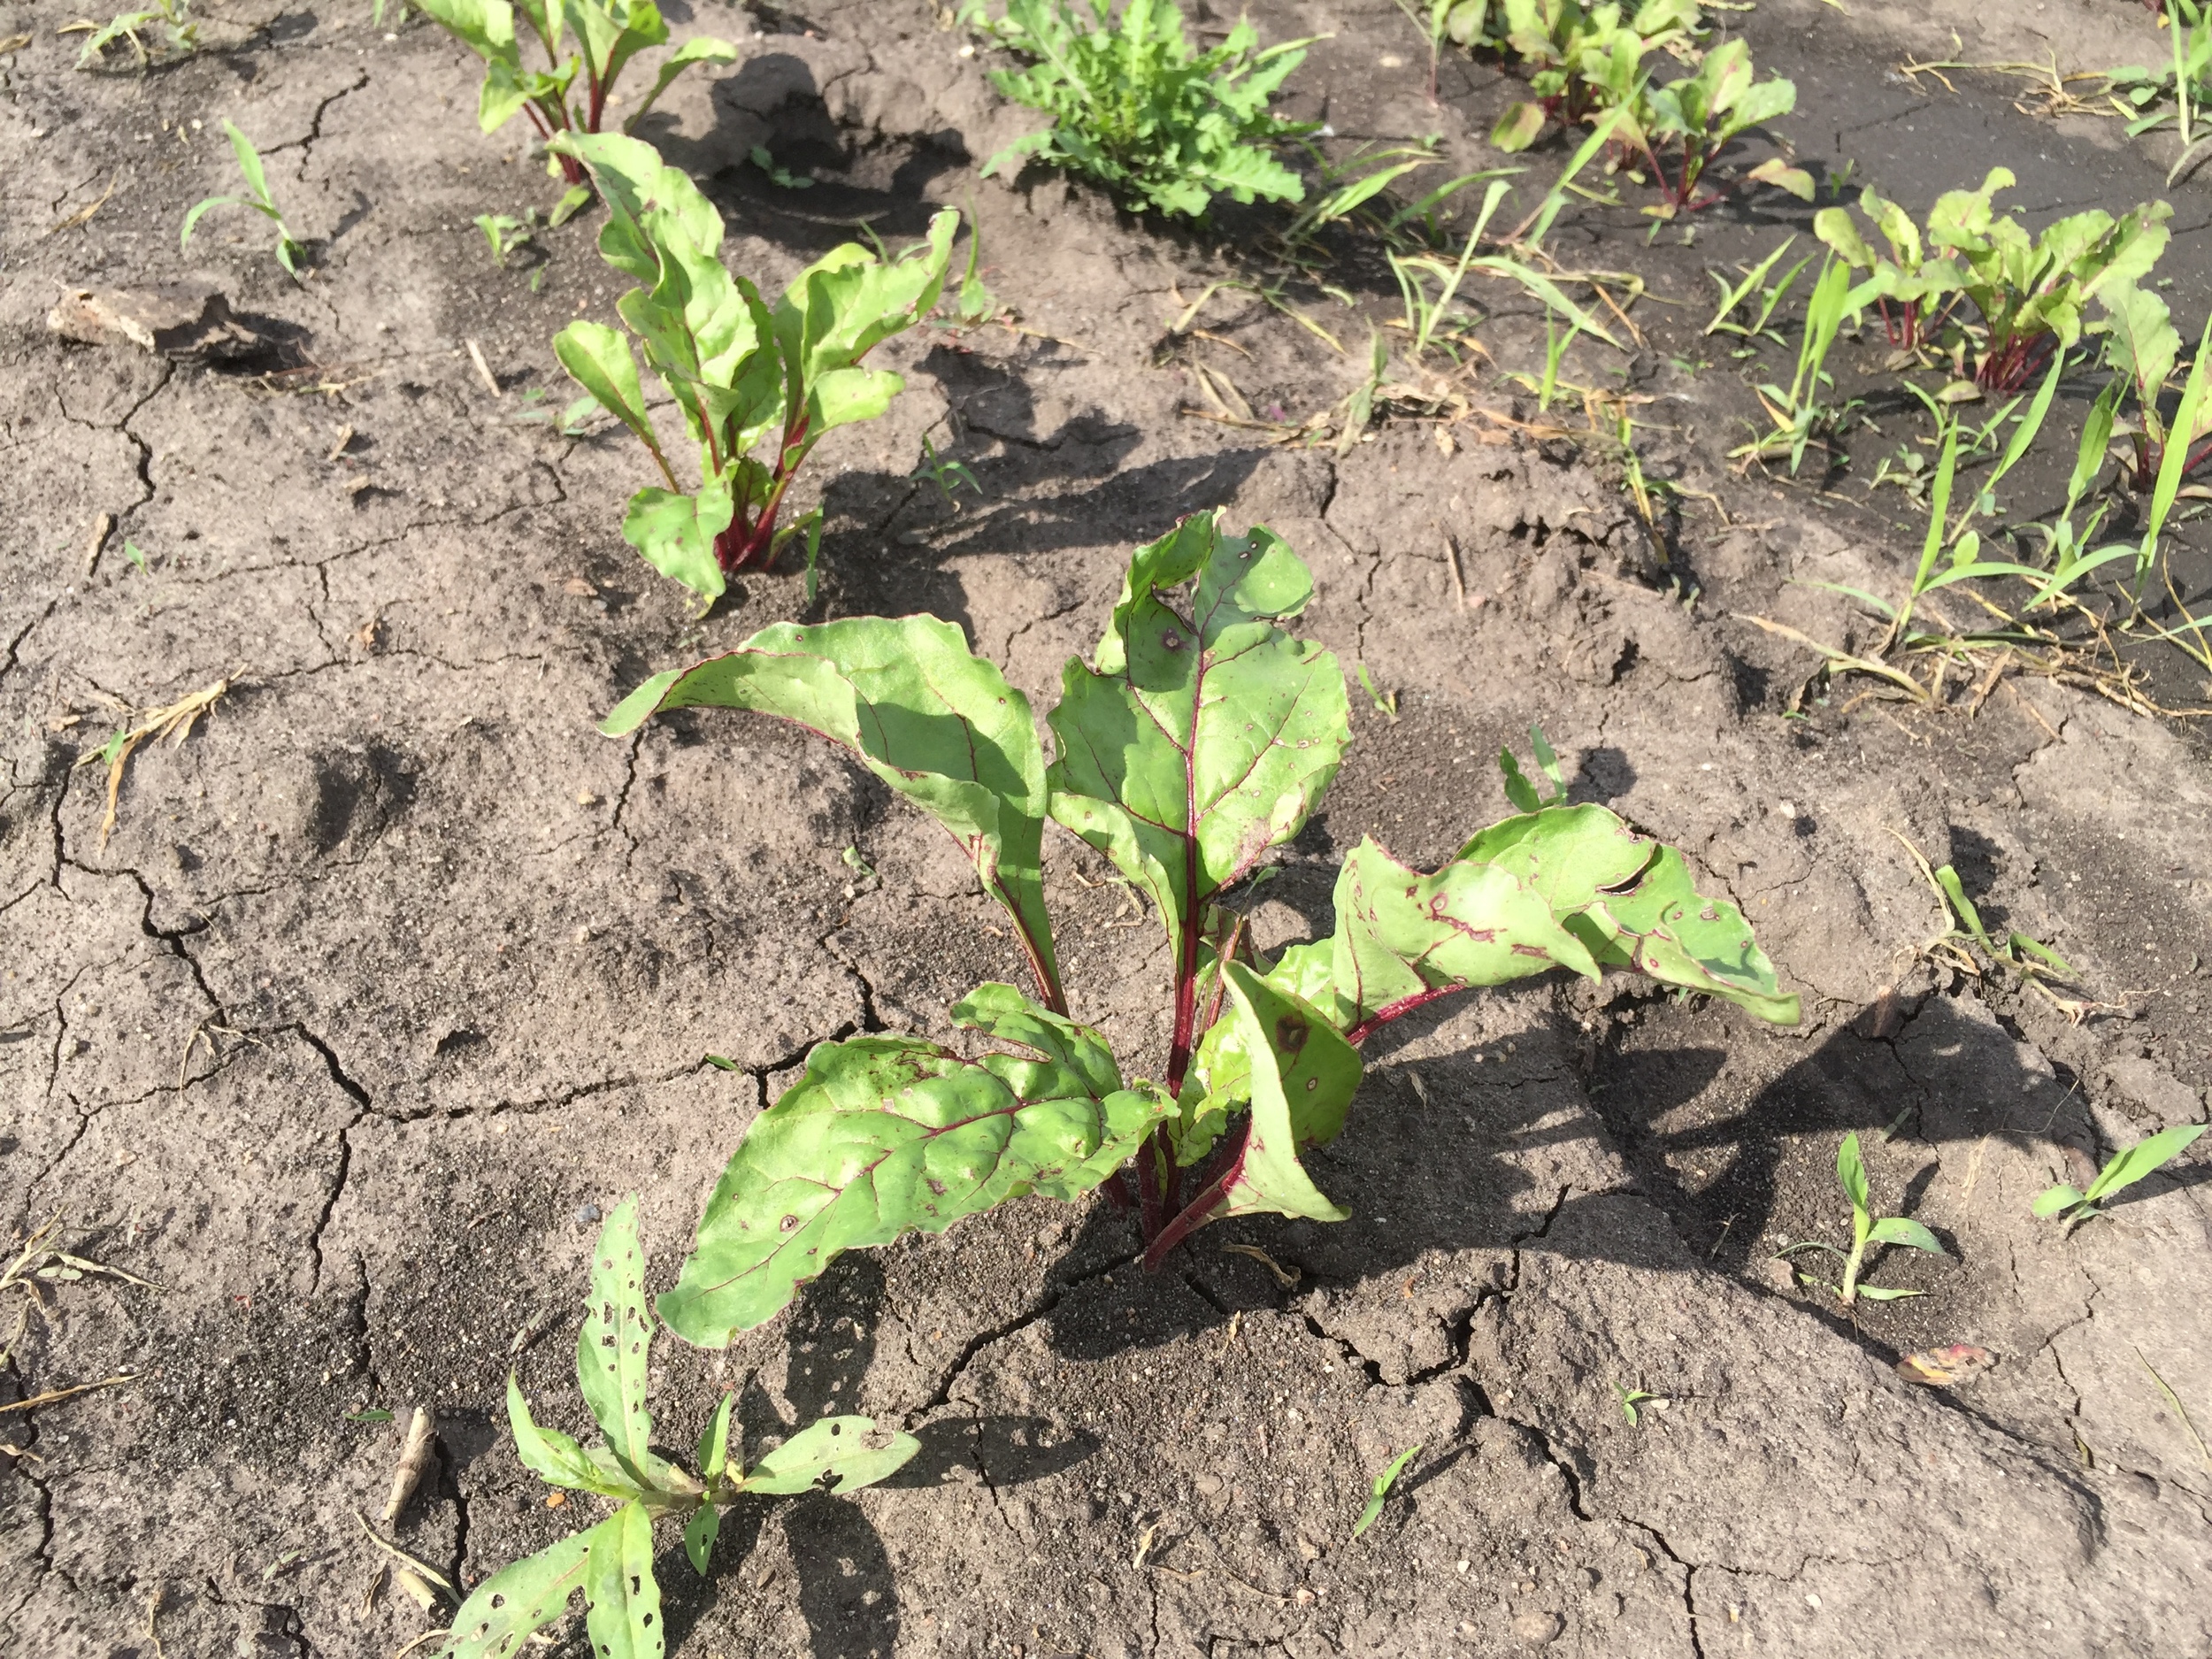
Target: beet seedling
[1866, 1232]
[2186, 80]
[506, 234]
[744, 375]
[1135, 108]
[1682, 128]
[290, 248]
[1584, 60]
[609, 33]
[2029, 291]
[1198, 738]
[2143, 345]
[2126, 1167]
[612, 1562]
[1915, 292]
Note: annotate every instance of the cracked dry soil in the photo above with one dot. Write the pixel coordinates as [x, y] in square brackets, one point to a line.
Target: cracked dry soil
[394, 974]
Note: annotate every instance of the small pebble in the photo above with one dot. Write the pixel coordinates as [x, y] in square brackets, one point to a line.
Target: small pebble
[1537, 1629]
[587, 1212]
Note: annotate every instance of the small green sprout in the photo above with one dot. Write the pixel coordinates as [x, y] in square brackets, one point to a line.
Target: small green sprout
[1381, 1489]
[2126, 1167]
[938, 472]
[1770, 296]
[1866, 1231]
[1519, 790]
[181, 33]
[1631, 1398]
[289, 248]
[1384, 705]
[782, 178]
[506, 232]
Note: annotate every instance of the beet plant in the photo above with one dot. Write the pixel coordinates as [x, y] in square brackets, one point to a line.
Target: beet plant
[1196, 741]
[2142, 344]
[1582, 59]
[1680, 130]
[2030, 290]
[757, 388]
[611, 1563]
[575, 89]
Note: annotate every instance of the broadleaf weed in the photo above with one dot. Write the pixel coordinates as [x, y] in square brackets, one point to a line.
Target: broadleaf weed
[1136, 109]
[611, 1563]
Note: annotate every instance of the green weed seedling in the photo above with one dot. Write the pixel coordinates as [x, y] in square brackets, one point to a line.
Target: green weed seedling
[1379, 1492]
[1385, 705]
[782, 178]
[1429, 285]
[1963, 544]
[506, 234]
[1133, 107]
[1755, 281]
[179, 35]
[1434, 19]
[611, 1563]
[1798, 414]
[2185, 81]
[1633, 1398]
[1866, 1232]
[943, 476]
[744, 375]
[576, 89]
[1188, 796]
[2126, 1167]
[1523, 795]
[290, 248]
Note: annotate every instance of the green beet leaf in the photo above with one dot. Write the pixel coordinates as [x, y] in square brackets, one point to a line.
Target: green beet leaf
[746, 377]
[934, 721]
[1302, 1077]
[889, 1135]
[1401, 939]
[1634, 904]
[1199, 738]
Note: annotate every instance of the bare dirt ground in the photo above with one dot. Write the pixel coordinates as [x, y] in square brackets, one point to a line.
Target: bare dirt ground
[396, 975]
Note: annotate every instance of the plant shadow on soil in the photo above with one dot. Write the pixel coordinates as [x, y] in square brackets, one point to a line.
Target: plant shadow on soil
[851, 1600]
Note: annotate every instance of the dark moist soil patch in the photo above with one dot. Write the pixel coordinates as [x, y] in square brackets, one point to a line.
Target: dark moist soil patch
[394, 976]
